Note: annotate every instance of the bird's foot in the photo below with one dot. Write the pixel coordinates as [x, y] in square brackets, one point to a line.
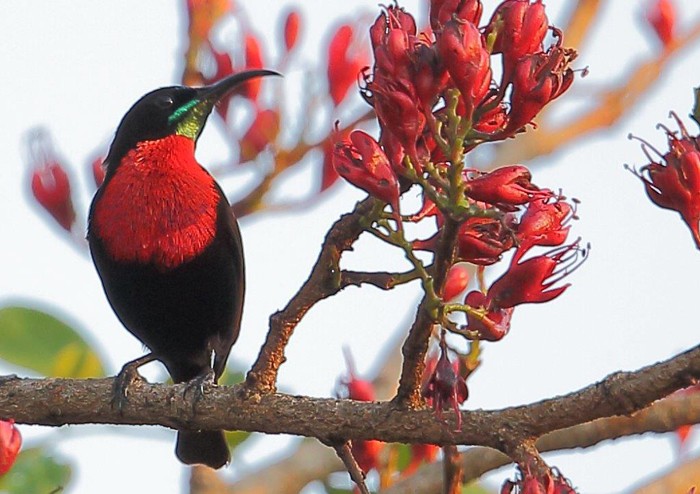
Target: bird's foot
[196, 386]
[126, 378]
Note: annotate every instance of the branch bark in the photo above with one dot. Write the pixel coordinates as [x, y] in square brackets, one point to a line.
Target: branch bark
[73, 401]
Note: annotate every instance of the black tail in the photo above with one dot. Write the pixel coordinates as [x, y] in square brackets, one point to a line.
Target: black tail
[205, 447]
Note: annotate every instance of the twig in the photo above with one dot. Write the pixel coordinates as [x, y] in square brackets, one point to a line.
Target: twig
[322, 282]
[345, 454]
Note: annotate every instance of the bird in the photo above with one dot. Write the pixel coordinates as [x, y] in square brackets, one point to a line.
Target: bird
[167, 247]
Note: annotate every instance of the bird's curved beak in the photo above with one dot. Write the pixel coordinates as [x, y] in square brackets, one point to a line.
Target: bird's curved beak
[197, 111]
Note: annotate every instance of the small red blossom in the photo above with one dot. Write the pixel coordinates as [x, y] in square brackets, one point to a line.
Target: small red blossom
[223, 67]
[366, 453]
[462, 51]
[483, 240]
[661, 16]
[253, 60]
[261, 132]
[98, 170]
[457, 281]
[344, 64]
[442, 11]
[494, 324]
[50, 182]
[532, 280]
[362, 162]
[550, 483]
[537, 79]
[291, 30]
[446, 388]
[10, 443]
[674, 182]
[543, 223]
[518, 28]
[508, 185]
[420, 453]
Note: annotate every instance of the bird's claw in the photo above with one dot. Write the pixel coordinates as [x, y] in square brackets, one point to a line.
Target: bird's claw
[120, 391]
[197, 385]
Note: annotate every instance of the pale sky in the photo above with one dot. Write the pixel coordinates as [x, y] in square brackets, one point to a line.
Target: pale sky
[77, 66]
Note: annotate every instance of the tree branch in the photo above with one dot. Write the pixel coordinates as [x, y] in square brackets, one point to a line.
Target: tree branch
[73, 401]
[322, 283]
[662, 417]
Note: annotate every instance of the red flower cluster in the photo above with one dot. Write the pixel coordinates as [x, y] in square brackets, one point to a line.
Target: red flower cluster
[551, 483]
[50, 182]
[674, 181]
[10, 443]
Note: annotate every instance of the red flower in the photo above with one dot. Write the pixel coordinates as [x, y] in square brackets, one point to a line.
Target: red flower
[223, 67]
[441, 11]
[661, 16]
[537, 79]
[344, 64]
[50, 182]
[445, 387]
[253, 60]
[494, 324]
[366, 453]
[291, 30]
[482, 240]
[261, 132]
[457, 281]
[508, 185]
[531, 281]
[391, 89]
[10, 443]
[98, 170]
[553, 483]
[543, 223]
[363, 163]
[462, 51]
[519, 28]
[674, 183]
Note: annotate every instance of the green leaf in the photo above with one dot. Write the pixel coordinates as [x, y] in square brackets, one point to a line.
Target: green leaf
[40, 342]
[474, 488]
[35, 471]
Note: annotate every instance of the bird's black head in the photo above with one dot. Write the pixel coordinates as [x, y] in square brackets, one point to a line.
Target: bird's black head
[172, 110]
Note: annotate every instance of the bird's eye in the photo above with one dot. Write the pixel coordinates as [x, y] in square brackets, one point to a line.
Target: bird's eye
[164, 102]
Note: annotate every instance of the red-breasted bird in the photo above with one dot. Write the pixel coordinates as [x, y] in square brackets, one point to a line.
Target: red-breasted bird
[167, 247]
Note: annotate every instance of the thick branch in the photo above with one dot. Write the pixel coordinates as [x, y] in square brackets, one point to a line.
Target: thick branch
[663, 416]
[322, 283]
[71, 401]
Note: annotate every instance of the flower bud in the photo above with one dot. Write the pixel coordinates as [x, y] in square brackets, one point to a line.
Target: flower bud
[457, 281]
[442, 11]
[462, 51]
[98, 170]
[362, 162]
[518, 28]
[509, 185]
[344, 64]
[50, 183]
[253, 60]
[291, 30]
[661, 16]
[10, 443]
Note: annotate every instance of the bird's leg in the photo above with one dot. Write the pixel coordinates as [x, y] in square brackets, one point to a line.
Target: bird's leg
[196, 386]
[126, 377]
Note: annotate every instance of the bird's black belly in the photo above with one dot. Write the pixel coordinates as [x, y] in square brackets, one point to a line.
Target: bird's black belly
[181, 315]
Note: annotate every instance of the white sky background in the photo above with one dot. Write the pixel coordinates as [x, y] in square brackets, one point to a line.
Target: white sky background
[76, 67]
